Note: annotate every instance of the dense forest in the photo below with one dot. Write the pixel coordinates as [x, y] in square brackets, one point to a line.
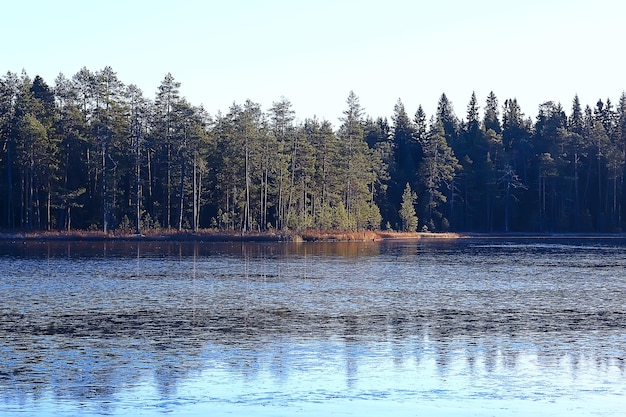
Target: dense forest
[91, 152]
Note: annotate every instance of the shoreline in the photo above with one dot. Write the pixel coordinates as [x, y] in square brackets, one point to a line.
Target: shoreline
[287, 236]
[223, 236]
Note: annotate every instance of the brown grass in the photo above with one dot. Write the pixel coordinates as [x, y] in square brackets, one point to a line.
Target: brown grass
[368, 235]
[417, 235]
[221, 235]
[59, 235]
[338, 235]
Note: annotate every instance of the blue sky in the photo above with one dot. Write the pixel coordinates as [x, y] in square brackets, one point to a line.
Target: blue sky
[315, 52]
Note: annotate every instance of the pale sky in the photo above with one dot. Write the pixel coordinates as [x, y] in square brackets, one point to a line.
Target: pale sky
[314, 52]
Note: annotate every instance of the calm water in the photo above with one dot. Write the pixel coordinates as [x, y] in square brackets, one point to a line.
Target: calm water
[411, 328]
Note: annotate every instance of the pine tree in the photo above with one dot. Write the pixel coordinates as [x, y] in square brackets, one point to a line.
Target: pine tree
[282, 117]
[621, 146]
[168, 95]
[327, 178]
[36, 151]
[137, 131]
[73, 130]
[9, 88]
[357, 168]
[105, 114]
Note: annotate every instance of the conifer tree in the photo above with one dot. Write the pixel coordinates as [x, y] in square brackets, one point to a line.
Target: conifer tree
[492, 114]
[328, 182]
[436, 173]
[168, 95]
[282, 116]
[405, 146]
[9, 87]
[575, 121]
[408, 216]
[445, 115]
[93, 153]
[357, 172]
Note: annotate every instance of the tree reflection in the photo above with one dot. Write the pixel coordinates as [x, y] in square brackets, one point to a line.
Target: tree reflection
[107, 318]
[93, 369]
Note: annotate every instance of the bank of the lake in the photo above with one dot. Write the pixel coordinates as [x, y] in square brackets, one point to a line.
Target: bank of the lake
[212, 235]
[217, 236]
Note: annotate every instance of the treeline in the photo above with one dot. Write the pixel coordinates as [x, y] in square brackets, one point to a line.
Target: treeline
[90, 152]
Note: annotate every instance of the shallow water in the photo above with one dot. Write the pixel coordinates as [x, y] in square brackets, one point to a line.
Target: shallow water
[471, 327]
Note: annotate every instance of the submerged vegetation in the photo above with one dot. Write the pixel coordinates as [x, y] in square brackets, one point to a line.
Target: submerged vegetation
[94, 154]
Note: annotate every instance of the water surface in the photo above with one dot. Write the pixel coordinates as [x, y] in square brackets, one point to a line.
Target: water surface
[471, 327]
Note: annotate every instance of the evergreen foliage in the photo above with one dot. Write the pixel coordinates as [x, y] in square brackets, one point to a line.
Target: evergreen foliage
[91, 152]
[408, 216]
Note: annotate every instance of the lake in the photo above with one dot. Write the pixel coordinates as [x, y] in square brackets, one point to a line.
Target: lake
[476, 327]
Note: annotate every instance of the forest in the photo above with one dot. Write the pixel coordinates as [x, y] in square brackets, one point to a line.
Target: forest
[92, 153]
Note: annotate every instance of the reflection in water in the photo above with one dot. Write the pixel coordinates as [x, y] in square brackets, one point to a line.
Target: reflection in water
[172, 249]
[113, 327]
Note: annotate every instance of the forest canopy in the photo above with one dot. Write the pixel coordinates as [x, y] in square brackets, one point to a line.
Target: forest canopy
[91, 152]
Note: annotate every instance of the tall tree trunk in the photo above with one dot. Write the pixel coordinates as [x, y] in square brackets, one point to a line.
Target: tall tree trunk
[261, 209]
[10, 206]
[293, 176]
[199, 197]
[113, 205]
[105, 196]
[194, 223]
[598, 220]
[452, 222]
[614, 208]
[540, 202]
[137, 187]
[265, 198]
[246, 215]
[150, 201]
[22, 198]
[49, 206]
[36, 203]
[619, 202]
[168, 208]
[576, 191]
[29, 201]
[181, 196]
[279, 217]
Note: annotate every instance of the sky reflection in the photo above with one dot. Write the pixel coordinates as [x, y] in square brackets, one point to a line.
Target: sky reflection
[268, 332]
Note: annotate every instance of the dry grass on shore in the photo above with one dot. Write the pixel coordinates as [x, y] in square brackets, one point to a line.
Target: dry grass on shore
[338, 235]
[417, 235]
[222, 235]
[369, 235]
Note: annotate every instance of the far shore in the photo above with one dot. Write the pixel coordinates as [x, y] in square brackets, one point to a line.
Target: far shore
[211, 235]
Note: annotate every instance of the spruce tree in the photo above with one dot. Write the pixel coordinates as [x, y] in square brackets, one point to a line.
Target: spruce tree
[436, 173]
[408, 216]
[492, 114]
